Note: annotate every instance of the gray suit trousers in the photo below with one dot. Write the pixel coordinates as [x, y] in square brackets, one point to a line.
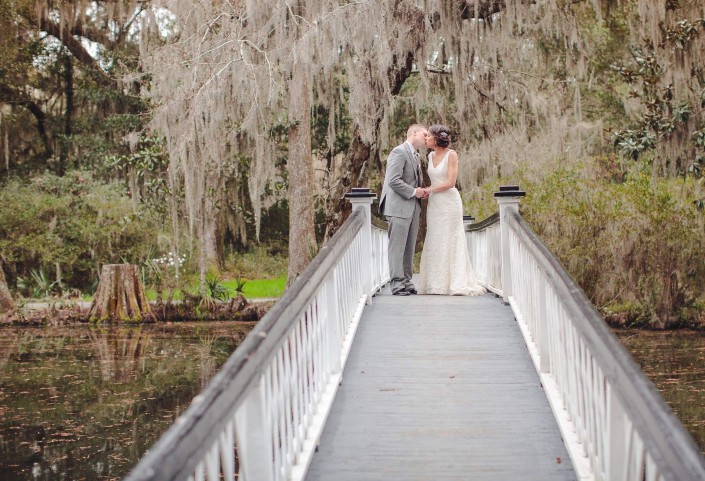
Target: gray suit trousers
[402, 243]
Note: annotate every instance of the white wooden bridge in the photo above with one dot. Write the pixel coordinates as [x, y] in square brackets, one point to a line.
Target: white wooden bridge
[342, 381]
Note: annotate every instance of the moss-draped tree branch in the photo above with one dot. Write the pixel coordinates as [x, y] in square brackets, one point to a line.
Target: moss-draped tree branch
[77, 50]
[14, 97]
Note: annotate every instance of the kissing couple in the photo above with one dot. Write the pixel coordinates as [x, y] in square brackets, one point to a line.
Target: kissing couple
[445, 263]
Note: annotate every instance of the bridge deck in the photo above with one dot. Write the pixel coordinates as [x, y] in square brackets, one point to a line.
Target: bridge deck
[440, 388]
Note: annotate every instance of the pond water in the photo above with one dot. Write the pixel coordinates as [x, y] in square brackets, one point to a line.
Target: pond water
[675, 363]
[84, 403]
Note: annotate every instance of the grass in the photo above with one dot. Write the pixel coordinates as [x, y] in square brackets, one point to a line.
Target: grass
[253, 289]
[152, 295]
[259, 288]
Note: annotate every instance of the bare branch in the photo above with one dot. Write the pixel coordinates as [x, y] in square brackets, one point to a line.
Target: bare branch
[483, 94]
[485, 9]
[76, 49]
[129, 23]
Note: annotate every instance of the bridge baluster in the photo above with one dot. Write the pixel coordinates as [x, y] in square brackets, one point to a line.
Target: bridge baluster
[543, 323]
[254, 436]
[227, 450]
[212, 463]
[330, 312]
[617, 438]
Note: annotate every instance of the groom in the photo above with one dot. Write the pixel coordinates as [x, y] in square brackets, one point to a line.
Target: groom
[401, 204]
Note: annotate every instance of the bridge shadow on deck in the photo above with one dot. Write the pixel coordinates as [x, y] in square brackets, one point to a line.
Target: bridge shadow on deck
[440, 388]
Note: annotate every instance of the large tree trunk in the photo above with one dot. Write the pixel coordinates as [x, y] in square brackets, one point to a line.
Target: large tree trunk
[6, 302]
[302, 238]
[354, 174]
[213, 231]
[68, 114]
[210, 231]
[363, 156]
[120, 296]
[173, 202]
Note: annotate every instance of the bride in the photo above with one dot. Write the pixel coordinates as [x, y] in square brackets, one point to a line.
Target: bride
[445, 263]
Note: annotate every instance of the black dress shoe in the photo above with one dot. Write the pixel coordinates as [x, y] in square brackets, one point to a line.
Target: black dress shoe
[401, 292]
[411, 290]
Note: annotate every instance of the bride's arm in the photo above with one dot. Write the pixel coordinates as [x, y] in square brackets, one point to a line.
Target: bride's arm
[452, 175]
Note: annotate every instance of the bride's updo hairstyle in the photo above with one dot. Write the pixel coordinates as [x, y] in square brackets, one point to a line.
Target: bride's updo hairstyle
[441, 133]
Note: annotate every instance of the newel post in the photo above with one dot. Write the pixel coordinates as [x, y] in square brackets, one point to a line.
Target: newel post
[362, 198]
[508, 199]
[467, 221]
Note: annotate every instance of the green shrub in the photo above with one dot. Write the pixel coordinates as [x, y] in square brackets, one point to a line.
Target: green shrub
[626, 237]
[261, 261]
[70, 225]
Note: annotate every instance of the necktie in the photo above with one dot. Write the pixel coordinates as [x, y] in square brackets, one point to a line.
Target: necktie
[418, 168]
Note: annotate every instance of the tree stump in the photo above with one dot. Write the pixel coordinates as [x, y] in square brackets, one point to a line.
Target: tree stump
[6, 302]
[120, 296]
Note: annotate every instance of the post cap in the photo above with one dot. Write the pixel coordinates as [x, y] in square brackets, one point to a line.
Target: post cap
[509, 191]
[360, 193]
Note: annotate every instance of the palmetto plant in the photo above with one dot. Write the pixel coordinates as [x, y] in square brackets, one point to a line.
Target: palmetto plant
[215, 287]
[215, 291]
[240, 285]
[38, 283]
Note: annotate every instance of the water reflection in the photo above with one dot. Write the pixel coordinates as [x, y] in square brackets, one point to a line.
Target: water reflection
[675, 363]
[85, 402]
[119, 351]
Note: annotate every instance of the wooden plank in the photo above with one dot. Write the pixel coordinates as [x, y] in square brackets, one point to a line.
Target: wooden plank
[440, 388]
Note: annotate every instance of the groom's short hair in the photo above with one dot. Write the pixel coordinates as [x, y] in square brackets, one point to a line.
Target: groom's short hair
[410, 131]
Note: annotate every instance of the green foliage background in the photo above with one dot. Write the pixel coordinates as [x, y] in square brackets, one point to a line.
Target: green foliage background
[631, 241]
[75, 222]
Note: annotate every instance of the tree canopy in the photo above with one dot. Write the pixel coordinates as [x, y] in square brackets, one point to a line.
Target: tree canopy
[213, 115]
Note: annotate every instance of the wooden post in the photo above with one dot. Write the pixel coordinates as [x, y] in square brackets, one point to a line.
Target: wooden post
[362, 198]
[120, 296]
[468, 220]
[508, 200]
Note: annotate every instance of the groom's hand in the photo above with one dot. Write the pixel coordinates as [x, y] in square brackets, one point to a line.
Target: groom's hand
[420, 193]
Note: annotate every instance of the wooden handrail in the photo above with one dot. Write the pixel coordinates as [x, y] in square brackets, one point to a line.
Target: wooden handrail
[379, 223]
[483, 224]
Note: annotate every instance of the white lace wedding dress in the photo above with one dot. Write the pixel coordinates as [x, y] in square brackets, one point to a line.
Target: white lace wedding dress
[445, 263]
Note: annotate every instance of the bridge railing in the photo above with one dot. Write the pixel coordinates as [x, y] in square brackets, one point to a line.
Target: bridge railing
[380, 242]
[261, 416]
[484, 246]
[614, 422]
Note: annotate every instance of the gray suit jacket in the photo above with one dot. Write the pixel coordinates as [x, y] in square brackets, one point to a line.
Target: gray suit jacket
[400, 182]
